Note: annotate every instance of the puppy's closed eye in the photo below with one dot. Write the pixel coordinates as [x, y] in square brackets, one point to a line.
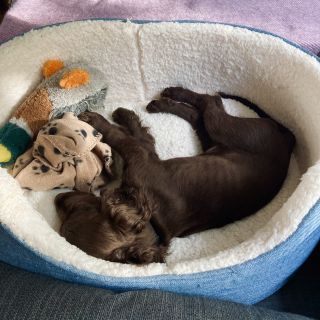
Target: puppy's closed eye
[138, 254]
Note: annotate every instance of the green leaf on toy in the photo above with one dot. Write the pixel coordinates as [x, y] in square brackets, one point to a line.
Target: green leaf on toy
[13, 141]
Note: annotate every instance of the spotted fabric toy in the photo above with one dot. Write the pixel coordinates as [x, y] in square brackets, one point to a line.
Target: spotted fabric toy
[67, 153]
[75, 88]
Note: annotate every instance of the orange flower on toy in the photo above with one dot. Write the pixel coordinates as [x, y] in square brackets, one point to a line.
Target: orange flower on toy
[50, 67]
[74, 78]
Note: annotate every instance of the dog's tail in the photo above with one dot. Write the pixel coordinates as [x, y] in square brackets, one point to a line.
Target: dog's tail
[247, 103]
[262, 114]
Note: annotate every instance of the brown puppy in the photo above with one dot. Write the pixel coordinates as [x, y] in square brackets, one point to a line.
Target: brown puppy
[243, 166]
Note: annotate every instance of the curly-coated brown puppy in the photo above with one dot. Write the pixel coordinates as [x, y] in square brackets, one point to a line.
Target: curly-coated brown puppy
[243, 166]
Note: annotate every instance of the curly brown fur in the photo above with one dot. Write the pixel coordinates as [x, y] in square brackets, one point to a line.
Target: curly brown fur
[243, 166]
[109, 228]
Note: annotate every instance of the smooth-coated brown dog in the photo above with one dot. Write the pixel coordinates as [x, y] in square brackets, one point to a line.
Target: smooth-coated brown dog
[243, 166]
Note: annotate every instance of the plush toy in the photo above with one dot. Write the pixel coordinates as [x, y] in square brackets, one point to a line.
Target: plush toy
[72, 156]
[73, 88]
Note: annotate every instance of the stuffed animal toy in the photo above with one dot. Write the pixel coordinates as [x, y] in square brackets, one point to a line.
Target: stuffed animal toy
[72, 156]
[73, 88]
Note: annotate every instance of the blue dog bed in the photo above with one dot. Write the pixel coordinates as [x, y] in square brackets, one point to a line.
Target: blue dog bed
[245, 261]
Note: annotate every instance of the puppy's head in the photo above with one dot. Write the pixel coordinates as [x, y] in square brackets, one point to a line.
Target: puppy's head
[109, 228]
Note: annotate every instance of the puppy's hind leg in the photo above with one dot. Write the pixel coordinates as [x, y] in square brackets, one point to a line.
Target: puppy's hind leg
[247, 134]
[180, 94]
[182, 110]
[186, 112]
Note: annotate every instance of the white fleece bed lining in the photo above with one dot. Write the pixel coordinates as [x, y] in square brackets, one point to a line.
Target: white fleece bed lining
[139, 77]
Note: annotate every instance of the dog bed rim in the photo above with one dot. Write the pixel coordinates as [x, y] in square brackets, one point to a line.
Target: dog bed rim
[192, 22]
[172, 282]
[141, 21]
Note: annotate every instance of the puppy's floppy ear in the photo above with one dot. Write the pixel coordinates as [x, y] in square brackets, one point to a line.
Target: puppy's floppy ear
[128, 209]
[144, 205]
[138, 254]
[68, 202]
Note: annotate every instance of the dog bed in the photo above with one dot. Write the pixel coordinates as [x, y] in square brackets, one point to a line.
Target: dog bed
[244, 261]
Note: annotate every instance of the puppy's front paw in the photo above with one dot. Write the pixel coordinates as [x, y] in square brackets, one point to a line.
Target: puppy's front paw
[123, 116]
[96, 120]
[89, 117]
[85, 117]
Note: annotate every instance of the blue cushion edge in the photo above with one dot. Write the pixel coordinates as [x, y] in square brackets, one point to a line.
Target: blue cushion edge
[248, 282]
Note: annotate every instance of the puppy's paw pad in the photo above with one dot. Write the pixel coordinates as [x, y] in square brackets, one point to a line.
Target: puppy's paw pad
[122, 115]
[94, 119]
[85, 117]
